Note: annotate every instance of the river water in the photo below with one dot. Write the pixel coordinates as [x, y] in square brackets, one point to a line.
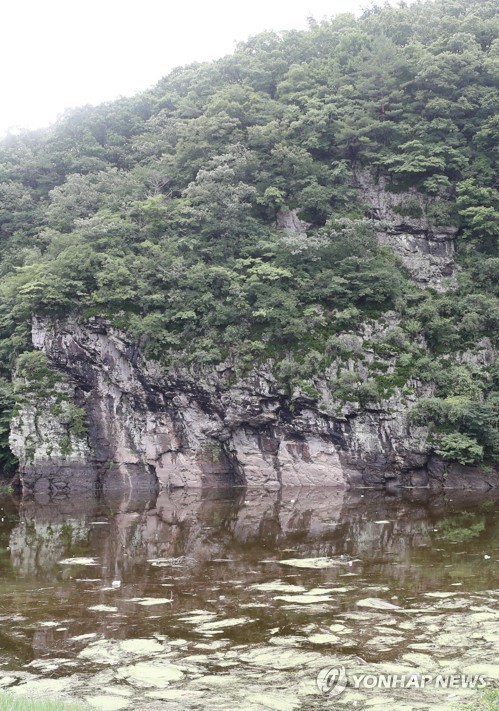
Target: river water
[238, 599]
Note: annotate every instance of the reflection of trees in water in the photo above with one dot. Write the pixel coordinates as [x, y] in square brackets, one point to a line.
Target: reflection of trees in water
[243, 525]
[462, 527]
[225, 538]
[40, 545]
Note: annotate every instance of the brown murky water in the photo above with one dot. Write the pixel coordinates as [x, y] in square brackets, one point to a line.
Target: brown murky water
[237, 600]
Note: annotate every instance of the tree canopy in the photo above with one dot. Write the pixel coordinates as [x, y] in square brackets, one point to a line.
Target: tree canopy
[159, 211]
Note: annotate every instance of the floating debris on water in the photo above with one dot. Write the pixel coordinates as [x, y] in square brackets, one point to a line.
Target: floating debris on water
[377, 604]
[171, 562]
[317, 563]
[148, 601]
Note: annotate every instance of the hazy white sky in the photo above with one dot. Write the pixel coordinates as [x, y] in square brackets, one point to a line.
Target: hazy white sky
[57, 54]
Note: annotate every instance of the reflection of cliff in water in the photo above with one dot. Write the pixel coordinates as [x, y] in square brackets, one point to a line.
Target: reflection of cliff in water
[384, 530]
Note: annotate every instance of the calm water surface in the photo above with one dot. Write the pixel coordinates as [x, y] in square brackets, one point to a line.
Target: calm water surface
[236, 600]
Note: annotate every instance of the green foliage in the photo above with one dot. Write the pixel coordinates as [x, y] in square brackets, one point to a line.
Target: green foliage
[34, 366]
[65, 445]
[35, 375]
[486, 700]
[478, 207]
[77, 423]
[12, 703]
[159, 212]
[7, 461]
[468, 427]
[459, 447]
[349, 386]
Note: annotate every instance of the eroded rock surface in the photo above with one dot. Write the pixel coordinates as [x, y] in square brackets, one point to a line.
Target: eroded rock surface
[402, 224]
[191, 430]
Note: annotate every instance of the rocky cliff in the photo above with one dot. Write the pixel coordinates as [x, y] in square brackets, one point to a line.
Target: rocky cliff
[142, 428]
[145, 429]
[404, 222]
[192, 429]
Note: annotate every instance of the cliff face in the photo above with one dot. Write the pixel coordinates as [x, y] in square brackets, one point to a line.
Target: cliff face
[403, 223]
[193, 428]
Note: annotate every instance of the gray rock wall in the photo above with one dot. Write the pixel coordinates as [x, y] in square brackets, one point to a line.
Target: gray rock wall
[425, 249]
[196, 429]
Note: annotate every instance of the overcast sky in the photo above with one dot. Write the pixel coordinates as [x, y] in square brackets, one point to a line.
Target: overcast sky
[57, 54]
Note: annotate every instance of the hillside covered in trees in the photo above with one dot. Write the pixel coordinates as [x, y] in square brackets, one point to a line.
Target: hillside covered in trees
[163, 213]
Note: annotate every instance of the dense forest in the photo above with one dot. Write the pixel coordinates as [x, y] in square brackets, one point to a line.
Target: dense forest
[159, 212]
